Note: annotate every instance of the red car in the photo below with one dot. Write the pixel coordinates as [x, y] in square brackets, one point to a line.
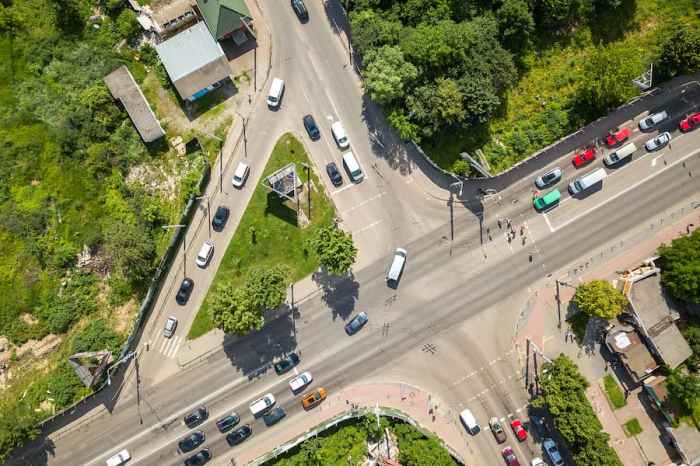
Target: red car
[509, 456]
[584, 158]
[617, 136]
[518, 429]
[690, 122]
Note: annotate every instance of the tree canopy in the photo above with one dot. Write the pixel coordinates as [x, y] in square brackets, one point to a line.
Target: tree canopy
[599, 298]
[680, 267]
[335, 249]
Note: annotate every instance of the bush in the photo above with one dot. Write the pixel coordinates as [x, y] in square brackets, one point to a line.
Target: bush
[680, 267]
[615, 395]
[97, 336]
[632, 427]
[64, 386]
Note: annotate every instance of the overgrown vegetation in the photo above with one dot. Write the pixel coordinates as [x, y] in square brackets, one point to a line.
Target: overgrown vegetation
[268, 235]
[563, 393]
[509, 77]
[612, 389]
[346, 444]
[680, 267]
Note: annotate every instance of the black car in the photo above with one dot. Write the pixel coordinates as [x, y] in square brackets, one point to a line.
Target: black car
[334, 174]
[273, 416]
[300, 9]
[239, 435]
[225, 423]
[196, 417]
[192, 441]
[311, 127]
[199, 458]
[220, 218]
[183, 294]
[356, 323]
[286, 363]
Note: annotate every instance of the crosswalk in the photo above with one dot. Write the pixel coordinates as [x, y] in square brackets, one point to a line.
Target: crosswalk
[168, 346]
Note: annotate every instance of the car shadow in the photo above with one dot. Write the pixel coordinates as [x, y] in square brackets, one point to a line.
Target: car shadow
[338, 293]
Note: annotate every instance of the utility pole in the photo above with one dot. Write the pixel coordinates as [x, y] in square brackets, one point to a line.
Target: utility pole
[184, 245]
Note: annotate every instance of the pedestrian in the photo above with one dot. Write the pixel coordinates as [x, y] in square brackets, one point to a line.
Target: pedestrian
[500, 225]
[522, 230]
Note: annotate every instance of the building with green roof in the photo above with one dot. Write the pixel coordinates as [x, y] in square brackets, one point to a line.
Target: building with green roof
[224, 17]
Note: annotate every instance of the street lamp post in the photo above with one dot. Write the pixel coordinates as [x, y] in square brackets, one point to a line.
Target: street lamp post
[206, 196]
[308, 186]
[184, 245]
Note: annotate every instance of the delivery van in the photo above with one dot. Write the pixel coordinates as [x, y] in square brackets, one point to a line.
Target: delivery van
[613, 158]
[587, 180]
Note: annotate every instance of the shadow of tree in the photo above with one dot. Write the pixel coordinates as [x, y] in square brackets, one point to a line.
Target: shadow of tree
[339, 293]
[610, 25]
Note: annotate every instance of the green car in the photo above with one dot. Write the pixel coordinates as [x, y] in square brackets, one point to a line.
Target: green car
[547, 201]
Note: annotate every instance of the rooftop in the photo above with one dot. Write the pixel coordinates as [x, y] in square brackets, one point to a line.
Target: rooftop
[633, 352]
[188, 51]
[223, 16]
[687, 441]
[123, 87]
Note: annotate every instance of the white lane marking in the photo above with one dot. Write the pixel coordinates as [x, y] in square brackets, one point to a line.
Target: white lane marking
[371, 225]
[366, 201]
[626, 190]
[549, 224]
[338, 191]
[653, 161]
[177, 341]
[305, 96]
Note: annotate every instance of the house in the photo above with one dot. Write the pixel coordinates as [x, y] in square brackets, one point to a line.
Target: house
[123, 87]
[194, 61]
[226, 18]
[655, 316]
[173, 17]
[626, 342]
[685, 438]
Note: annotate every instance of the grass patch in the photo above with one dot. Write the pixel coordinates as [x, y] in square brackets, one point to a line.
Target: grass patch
[268, 233]
[615, 395]
[632, 427]
[578, 323]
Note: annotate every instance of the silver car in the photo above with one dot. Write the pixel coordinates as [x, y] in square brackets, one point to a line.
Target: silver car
[659, 142]
[652, 120]
[549, 178]
[170, 326]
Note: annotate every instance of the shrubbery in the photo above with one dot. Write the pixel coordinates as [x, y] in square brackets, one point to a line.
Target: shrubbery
[680, 267]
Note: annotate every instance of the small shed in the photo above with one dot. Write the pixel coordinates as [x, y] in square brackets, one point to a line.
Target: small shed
[194, 61]
[123, 87]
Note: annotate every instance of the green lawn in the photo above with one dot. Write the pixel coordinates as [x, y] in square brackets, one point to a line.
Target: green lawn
[612, 389]
[276, 239]
[632, 427]
[539, 108]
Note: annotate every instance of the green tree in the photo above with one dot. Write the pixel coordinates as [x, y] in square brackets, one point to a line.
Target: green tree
[515, 23]
[335, 249]
[599, 298]
[131, 248]
[415, 449]
[684, 388]
[231, 311]
[408, 131]
[387, 74]
[680, 267]
[607, 79]
[266, 287]
[370, 30]
[18, 425]
[96, 336]
[692, 335]
[560, 15]
[680, 50]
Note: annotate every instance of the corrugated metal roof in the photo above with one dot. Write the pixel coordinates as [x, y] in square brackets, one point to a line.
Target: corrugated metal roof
[189, 51]
[223, 16]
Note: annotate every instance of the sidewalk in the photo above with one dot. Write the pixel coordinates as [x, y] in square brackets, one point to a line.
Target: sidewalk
[409, 399]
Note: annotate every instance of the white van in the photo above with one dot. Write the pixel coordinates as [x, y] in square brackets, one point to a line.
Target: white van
[619, 155]
[119, 459]
[352, 167]
[587, 180]
[469, 422]
[396, 267]
[261, 405]
[275, 95]
[340, 136]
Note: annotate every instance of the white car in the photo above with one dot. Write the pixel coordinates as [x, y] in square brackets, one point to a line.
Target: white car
[659, 142]
[240, 175]
[537, 461]
[119, 459]
[340, 136]
[205, 253]
[170, 326]
[261, 405]
[553, 452]
[652, 120]
[300, 381]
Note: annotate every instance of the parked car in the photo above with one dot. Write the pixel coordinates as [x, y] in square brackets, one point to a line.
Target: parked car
[584, 157]
[239, 435]
[659, 142]
[300, 381]
[548, 178]
[356, 323]
[205, 253]
[273, 416]
[548, 201]
[286, 363]
[339, 135]
[518, 429]
[313, 399]
[261, 405]
[617, 136]
[196, 417]
[226, 422]
[185, 290]
[119, 459]
[300, 9]
[310, 124]
[690, 122]
[334, 174]
[170, 326]
[199, 458]
[652, 120]
[537, 461]
[240, 175]
[497, 430]
[509, 456]
[553, 452]
[191, 442]
[220, 218]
